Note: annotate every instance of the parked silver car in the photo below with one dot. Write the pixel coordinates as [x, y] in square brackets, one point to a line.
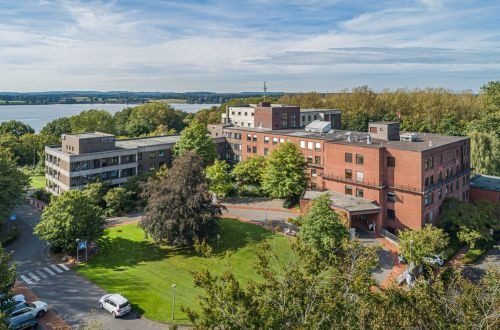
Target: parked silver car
[36, 308]
[115, 303]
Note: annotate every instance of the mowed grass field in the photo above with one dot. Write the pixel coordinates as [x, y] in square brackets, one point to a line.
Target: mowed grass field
[37, 181]
[144, 272]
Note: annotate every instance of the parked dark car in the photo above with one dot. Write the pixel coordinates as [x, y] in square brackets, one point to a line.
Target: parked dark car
[23, 321]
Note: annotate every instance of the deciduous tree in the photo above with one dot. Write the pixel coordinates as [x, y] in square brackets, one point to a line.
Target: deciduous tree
[16, 128]
[12, 183]
[418, 245]
[284, 175]
[219, 180]
[250, 171]
[92, 120]
[7, 279]
[195, 138]
[180, 209]
[322, 229]
[118, 201]
[69, 217]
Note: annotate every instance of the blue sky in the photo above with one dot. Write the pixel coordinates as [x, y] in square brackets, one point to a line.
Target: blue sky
[232, 46]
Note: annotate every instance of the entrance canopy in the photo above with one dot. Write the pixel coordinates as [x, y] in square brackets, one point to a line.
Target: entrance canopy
[353, 205]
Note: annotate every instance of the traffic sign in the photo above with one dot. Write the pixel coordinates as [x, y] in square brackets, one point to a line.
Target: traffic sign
[13, 217]
[82, 245]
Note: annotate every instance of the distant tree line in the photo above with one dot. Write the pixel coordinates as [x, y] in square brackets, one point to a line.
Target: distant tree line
[117, 97]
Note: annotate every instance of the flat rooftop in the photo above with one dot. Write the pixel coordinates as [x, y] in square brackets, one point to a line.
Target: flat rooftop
[320, 110]
[346, 202]
[486, 182]
[90, 135]
[425, 141]
[147, 141]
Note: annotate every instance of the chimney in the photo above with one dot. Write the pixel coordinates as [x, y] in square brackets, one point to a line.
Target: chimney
[369, 139]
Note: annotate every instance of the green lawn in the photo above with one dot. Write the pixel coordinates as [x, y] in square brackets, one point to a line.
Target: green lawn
[144, 272]
[37, 181]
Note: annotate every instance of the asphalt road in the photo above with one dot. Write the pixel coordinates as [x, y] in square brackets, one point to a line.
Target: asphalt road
[491, 259]
[69, 295]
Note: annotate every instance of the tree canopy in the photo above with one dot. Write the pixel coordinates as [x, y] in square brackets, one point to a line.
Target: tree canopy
[12, 183]
[219, 180]
[92, 120]
[416, 245]
[195, 138]
[180, 209]
[69, 217]
[250, 170]
[7, 279]
[284, 175]
[16, 128]
[321, 228]
[55, 128]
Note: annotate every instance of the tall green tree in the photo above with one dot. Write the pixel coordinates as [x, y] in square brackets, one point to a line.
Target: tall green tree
[92, 120]
[416, 246]
[55, 128]
[195, 138]
[219, 180]
[7, 279]
[146, 118]
[12, 183]
[250, 171]
[96, 191]
[16, 128]
[118, 201]
[322, 229]
[180, 209]
[284, 175]
[69, 217]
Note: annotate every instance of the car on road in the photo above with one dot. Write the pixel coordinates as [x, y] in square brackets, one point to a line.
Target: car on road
[23, 321]
[36, 309]
[434, 260]
[115, 303]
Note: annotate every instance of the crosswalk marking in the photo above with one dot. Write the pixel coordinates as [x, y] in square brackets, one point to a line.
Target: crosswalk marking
[56, 269]
[63, 266]
[51, 273]
[42, 274]
[25, 279]
[33, 276]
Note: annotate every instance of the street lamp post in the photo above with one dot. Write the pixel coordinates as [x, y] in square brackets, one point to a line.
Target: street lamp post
[173, 301]
[77, 249]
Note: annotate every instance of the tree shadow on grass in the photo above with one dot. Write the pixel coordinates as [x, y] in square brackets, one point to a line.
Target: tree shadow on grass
[118, 252]
[235, 235]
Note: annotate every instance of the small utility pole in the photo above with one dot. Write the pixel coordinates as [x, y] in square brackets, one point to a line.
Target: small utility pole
[77, 249]
[265, 90]
[173, 301]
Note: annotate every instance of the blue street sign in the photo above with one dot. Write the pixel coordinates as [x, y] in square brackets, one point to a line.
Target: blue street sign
[82, 245]
[13, 217]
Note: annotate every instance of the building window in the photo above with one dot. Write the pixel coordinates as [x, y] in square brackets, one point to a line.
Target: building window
[303, 118]
[348, 190]
[359, 159]
[391, 161]
[440, 159]
[457, 185]
[317, 146]
[317, 160]
[348, 174]
[440, 177]
[139, 156]
[249, 149]
[426, 182]
[310, 145]
[314, 173]
[373, 130]
[391, 214]
[152, 155]
[348, 157]
[254, 150]
[440, 193]
[161, 153]
[282, 140]
[359, 192]
[266, 151]
[266, 139]
[246, 114]
[249, 137]
[275, 140]
[309, 159]
[254, 138]
[308, 118]
[360, 176]
[302, 144]
[391, 197]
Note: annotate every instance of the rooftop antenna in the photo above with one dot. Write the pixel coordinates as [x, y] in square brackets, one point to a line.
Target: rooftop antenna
[265, 90]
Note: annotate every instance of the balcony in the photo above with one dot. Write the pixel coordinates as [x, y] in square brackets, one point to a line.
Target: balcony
[341, 178]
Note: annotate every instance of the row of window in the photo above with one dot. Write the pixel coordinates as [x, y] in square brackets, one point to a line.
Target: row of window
[239, 113]
[232, 135]
[349, 189]
[310, 145]
[360, 176]
[348, 158]
[429, 162]
[429, 181]
[151, 154]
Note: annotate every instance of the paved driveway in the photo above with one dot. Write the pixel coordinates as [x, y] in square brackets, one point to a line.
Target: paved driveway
[491, 259]
[69, 295]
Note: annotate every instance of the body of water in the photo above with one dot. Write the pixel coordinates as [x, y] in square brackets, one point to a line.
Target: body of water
[37, 116]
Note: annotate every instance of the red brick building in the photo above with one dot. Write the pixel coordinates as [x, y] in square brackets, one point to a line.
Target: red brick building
[393, 181]
[485, 187]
